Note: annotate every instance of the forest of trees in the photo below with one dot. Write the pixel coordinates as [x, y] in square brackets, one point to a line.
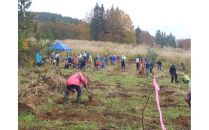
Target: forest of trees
[103, 25]
[165, 40]
[49, 17]
[184, 43]
[112, 25]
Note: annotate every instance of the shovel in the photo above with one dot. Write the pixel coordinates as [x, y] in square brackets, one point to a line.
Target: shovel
[90, 94]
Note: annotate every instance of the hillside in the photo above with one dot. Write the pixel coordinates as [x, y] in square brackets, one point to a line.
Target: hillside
[50, 17]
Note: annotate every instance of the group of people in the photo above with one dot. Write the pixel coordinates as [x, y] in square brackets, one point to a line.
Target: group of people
[185, 78]
[75, 81]
[85, 58]
[82, 60]
[78, 61]
[144, 66]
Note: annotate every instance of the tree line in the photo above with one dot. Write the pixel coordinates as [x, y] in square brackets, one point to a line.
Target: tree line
[104, 25]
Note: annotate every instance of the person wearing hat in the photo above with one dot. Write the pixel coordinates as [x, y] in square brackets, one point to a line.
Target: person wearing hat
[186, 78]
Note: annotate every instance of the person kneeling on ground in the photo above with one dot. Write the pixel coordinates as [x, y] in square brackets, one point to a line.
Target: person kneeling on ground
[187, 80]
[188, 97]
[74, 82]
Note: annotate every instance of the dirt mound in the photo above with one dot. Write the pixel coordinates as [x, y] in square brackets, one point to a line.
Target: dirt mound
[33, 100]
[42, 86]
[122, 94]
[55, 83]
[151, 123]
[60, 101]
[24, 108]
[184, 121]
[166, 91]
[169, 101]
[98, 85]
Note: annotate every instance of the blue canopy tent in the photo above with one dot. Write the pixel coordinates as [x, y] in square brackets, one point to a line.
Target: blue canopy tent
[60, 46]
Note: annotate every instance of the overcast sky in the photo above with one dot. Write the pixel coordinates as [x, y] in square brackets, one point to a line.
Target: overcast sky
[167, 15]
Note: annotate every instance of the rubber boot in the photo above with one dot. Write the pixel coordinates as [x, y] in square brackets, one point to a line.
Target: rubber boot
[66, 95]
[78, 100]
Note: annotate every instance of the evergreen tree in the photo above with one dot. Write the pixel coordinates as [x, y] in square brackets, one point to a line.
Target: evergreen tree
[165, 40]
[101, 26]
[25, 18]
[137, 33]
[95, 23]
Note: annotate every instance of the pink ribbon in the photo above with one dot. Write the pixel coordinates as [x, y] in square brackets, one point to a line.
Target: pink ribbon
[156, 88]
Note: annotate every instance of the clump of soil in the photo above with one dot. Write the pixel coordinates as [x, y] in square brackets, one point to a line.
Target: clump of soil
[183, 121]
[60, 100]
[169, 101]
[24, 108]
[151, 123]
[98, 85]
[118, 84]
[90, 97]
[166, 91]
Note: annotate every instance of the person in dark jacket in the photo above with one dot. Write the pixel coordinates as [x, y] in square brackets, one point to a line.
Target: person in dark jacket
[183, 66]
[151, 67]
[137, 63]
[66, 63]
[173, 73]
[123, 62]
[159, 65]
[147, 68]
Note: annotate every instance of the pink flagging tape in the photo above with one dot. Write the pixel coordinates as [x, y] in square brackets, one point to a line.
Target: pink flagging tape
[156, 88]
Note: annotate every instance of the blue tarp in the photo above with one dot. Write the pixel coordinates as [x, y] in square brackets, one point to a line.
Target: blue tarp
[60, 46]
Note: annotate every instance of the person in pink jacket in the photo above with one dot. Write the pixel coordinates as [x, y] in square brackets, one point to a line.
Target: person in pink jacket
[74, 82]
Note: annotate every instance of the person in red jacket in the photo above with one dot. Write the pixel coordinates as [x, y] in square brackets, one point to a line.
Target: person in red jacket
[74, 82]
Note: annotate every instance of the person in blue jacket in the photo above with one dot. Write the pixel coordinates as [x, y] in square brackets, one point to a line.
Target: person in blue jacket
[114, 59]
[39, 58]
